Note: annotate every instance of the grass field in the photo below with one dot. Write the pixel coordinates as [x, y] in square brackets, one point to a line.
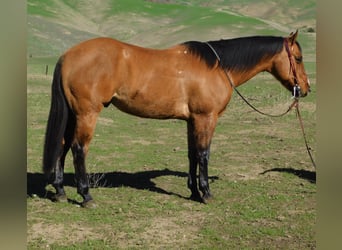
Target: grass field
[260, 174]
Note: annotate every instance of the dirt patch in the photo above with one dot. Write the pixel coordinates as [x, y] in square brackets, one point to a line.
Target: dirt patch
[55, 233]
[241, 172]
[169, 231]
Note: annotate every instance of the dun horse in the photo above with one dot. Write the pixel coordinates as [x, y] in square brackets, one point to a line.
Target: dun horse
[190, 81]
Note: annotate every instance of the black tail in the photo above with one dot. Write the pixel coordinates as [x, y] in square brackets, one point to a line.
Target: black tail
[57, 122]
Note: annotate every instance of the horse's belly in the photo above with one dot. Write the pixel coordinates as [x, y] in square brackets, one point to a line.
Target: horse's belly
[156, 107]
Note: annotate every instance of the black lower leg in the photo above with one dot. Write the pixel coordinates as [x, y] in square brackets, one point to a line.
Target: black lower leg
[83, 189]
[57, 181]
[81, 175]
[192, 178]
[203, 159]
[192, 182]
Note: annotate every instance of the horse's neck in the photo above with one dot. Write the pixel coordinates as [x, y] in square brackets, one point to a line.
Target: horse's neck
[239, 77]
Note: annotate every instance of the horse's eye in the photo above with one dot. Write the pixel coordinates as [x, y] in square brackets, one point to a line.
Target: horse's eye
[299, 59]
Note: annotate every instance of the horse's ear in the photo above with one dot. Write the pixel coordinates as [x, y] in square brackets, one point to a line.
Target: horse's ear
[292, 37]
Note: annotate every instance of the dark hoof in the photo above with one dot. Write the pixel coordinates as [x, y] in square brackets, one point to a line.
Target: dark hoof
[196, 197]
[207, 198]
[60, 198]
[89, 204]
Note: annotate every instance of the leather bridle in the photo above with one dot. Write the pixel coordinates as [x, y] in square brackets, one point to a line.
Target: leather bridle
[296, 87]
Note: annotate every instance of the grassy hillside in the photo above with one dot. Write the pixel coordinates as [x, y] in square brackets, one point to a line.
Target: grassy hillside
[55, 25]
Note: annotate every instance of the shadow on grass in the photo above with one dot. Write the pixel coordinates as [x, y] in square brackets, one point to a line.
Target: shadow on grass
[36, 182]
[304, 174]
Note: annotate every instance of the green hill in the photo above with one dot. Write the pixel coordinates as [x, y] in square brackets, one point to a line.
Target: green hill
[55, 25]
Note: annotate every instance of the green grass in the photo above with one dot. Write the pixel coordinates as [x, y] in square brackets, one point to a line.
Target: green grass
[260, 174]
[41, 8]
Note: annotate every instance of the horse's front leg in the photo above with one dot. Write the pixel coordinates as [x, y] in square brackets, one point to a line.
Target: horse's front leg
[204, 126]
[203, 159]
[193, 161]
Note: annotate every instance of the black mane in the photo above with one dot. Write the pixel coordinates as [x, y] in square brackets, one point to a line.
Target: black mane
[238, 53]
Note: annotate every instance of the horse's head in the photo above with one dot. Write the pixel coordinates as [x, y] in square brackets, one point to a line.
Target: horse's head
[288, 67]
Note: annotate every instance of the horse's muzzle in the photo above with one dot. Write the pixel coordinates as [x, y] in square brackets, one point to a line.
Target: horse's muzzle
[297, 92]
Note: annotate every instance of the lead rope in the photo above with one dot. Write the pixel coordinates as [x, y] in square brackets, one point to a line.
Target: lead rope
[295, 102]
[308, 149]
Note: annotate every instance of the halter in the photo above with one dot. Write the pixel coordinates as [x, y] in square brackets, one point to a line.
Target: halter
[296, 87]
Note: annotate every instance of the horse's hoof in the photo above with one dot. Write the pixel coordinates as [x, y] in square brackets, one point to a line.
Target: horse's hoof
[60, 198]
[207, 198]
[196, 197]
[89, 204]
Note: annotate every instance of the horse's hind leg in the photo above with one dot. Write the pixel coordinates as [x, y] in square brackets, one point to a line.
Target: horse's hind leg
[85, 125]
[57, 183]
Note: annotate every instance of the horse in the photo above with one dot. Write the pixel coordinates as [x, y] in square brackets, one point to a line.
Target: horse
[192, 81]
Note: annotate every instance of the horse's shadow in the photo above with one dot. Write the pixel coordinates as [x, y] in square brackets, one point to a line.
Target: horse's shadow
[36, 182]
[303, 174]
